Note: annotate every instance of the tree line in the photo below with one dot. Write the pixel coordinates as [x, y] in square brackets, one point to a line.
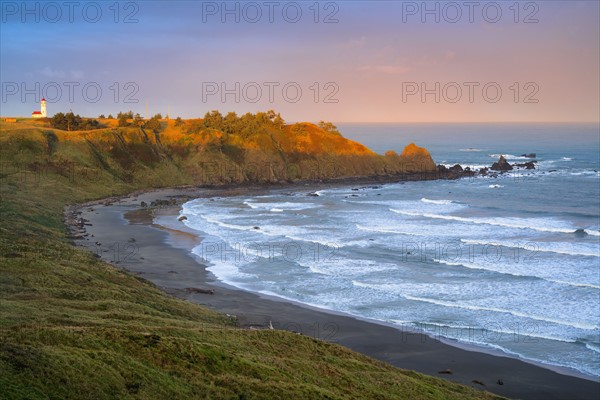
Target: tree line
[72, 122]
[244, 125]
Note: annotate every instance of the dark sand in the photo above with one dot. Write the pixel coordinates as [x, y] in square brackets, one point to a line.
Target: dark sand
[129, 240]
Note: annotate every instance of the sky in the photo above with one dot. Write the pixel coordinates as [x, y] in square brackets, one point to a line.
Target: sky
[340, 61]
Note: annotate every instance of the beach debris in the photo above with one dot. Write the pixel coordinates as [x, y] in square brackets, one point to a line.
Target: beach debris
[182, 218]
[198, 290]
[500, 382]
[446, 371]
[478, 382]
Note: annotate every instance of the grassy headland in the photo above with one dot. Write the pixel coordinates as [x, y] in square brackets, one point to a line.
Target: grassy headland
[73, 326]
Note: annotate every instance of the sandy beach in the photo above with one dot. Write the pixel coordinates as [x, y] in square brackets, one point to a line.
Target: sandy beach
[123, 233]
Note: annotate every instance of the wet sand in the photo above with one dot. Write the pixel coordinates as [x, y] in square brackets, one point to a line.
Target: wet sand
[124, 234]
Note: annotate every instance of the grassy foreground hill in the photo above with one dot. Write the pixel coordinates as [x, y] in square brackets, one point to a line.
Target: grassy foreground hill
[72, 326]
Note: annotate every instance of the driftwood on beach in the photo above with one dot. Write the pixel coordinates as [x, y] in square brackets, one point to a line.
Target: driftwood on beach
[198, 290]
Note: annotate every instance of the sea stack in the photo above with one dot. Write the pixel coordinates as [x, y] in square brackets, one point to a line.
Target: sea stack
[501, 165]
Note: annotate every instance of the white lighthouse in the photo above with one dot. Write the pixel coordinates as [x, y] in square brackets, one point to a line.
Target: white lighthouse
[42, 112]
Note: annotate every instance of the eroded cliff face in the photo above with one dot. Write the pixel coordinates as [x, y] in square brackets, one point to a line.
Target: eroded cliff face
[182, 155]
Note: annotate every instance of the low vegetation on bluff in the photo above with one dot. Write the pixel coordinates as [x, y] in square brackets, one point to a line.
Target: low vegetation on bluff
[216, 149]
[75, 327]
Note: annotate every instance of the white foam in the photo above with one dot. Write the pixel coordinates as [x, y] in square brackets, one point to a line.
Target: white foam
[470, 149]
[510, 157]
[225, 271]
[495, 330]
[496, 186]
[502, 268]
[537, 224]
[226, 225]
[425, 200]
[473, 307]
[572, 249]
[471, 166]
[583, 173]
[387, 230]
[281, 205]
[593, 347]
[588, 285]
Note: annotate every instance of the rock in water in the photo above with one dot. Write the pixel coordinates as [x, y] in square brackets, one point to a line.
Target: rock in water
[182, 218]
[527, 165]
[580, 233]
[501, 165]
[456, 169]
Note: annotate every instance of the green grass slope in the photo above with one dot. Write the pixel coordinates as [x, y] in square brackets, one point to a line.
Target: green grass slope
[74, 327]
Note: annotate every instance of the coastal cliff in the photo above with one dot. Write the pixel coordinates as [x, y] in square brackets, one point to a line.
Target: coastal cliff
[197, 152]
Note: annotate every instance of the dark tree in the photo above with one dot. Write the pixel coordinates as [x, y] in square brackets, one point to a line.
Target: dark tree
[153, 124]
[72, 122]
[329, 127]
[124, 117]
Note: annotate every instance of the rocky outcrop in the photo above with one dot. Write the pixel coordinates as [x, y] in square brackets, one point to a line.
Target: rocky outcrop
[417, 159]
[527, 165]
[502, 165]
[530, 155]
[454, 172]
[457, 169]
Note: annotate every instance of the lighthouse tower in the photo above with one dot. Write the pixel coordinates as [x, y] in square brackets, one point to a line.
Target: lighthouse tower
[43, 107]
[42, 112]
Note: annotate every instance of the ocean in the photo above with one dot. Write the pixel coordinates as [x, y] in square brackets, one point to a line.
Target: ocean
[510, 264]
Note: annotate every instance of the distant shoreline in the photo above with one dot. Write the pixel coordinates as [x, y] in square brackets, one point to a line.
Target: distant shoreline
[175, 271]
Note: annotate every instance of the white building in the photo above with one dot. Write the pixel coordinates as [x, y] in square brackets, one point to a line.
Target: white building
[42, 113]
